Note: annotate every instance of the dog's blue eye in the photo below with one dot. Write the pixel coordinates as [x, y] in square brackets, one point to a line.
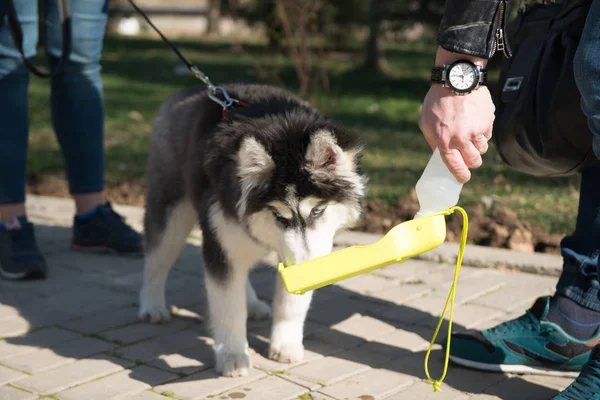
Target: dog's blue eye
[317, 211]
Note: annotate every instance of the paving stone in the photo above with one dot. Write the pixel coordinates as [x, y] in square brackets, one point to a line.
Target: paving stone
[319, 396]
[424, 391]
[104, 320]
[466, 316]
[43, 338]
[363, 326]
[308, 385]
[142, 330]
[270, 388]
[521, 290]
[207, 383]
[90, 299]
[167, 344]
[10, 393]
[117, 385]
[145, 395]
[552, 382]
[410, 270]
[328, 370]
[8, 375]
[20, 325]
[352, 331]
[51, 358]
[462, 379]
[404, 292]
[377, 383]
[72, 374]
[518, 389]
[313, 350]
[186, 362]
[59, 279]
[332, 312]
[400, 342]
[472, 288]
[367, 284]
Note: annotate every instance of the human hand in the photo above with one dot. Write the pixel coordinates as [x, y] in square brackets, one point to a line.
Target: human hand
[460, 126]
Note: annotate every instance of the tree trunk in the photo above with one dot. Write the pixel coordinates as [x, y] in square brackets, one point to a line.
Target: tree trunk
[374, 57]
[214, 17]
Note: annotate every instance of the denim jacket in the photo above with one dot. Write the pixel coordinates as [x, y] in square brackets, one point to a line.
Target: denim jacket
[475, 27]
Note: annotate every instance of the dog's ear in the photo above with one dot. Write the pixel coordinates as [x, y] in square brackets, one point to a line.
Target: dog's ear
[326, 159]
[254, 162]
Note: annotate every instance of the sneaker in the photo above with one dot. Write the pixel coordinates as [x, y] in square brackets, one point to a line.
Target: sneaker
[528, 344]
[105, 231]
[587, 384]
[20, 257]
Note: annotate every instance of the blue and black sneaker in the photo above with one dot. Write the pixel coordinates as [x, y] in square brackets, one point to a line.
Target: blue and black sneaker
[20, 257]
[105, 231]
[528, 344]
[587, 384]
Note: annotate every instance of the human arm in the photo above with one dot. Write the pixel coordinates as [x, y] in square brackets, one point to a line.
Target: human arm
[461, 125]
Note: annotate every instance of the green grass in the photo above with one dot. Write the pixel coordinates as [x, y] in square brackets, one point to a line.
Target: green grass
[138, 76]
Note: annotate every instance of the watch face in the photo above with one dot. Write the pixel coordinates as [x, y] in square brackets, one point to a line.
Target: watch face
[463, 76]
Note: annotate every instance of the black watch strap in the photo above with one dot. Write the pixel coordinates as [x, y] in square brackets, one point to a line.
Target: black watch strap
[437, 74]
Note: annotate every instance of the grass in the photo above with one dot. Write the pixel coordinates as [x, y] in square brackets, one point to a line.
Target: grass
[139, 75]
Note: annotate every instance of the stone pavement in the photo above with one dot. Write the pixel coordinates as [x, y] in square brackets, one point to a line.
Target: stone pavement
[76, 336]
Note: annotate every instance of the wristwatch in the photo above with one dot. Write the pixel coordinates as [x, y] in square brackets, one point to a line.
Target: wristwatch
[462, 76]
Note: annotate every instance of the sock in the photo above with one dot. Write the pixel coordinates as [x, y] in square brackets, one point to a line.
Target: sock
[14, 224]
[575, 319]
[88, 214]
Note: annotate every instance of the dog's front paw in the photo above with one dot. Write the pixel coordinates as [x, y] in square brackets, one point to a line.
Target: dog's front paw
[233, 365]
[287, 352]
[153, 310]
[258, 310]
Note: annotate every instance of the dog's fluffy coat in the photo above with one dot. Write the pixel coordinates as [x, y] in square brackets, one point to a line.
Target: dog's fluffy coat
[273, 176]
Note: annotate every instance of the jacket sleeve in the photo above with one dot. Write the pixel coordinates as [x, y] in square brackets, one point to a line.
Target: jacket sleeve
[475, 27]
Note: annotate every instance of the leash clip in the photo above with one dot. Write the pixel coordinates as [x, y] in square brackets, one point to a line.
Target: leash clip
[227, 102]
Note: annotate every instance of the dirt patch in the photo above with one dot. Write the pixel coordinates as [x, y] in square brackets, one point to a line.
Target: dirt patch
[488, 226]
[494, 227]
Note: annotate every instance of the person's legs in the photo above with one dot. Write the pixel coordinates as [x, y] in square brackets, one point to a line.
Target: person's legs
[19, 255]
[558, 333]
[77, 98]
[78, 120]
[581, 283]
[14, 82]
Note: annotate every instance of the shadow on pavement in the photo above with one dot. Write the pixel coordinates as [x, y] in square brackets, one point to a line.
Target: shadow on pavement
[87, 310]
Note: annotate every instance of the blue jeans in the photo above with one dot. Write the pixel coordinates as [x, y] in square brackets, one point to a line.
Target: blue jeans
[580, 279]
[76, 98]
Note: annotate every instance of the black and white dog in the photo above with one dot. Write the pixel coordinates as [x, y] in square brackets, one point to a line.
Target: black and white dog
[275, 175]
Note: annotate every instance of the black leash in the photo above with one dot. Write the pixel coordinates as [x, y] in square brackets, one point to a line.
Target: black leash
[214, 92]
[14, 26]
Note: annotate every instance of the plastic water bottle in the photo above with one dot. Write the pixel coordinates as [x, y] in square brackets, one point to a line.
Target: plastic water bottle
[437, 189]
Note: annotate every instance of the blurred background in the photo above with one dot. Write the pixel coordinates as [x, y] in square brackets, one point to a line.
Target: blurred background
[366, 63]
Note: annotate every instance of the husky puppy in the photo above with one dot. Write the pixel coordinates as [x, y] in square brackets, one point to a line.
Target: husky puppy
[275, 175]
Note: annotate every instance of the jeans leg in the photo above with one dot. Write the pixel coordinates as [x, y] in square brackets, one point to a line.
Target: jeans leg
[587, 72]
[14, 83]
[76, 93]
[580, 280]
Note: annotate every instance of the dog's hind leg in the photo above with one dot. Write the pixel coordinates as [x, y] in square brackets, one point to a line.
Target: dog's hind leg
[289, 313]
[164, 243]
[257, 309]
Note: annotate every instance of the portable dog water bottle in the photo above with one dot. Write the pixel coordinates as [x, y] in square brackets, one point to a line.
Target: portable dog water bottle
[437, 191]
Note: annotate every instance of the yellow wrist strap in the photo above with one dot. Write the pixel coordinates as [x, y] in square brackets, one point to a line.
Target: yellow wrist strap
[450, 300]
